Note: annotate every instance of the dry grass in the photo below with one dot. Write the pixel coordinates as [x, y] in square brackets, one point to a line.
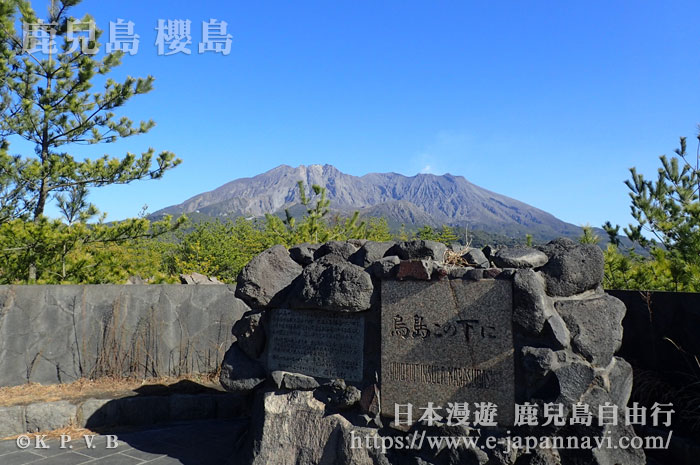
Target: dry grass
[650, 387]
[72, 431]
[84, 388]
[453, 258]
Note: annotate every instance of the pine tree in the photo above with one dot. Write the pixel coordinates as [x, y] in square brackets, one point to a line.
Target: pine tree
[426, 233]
[447, 235]
[668, 209]
[48, 100]
[667, 215]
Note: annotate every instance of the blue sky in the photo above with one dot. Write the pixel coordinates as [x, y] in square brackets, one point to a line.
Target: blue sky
[547, 102]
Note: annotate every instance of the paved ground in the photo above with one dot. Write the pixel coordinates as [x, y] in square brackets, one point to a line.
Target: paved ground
[208, 442]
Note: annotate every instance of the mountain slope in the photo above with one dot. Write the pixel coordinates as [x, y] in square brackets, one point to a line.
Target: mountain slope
[415, 200]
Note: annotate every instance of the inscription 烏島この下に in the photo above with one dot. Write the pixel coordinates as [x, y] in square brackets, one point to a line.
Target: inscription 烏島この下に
[447, 341]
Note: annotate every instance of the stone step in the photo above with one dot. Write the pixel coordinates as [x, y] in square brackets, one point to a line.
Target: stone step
[135, 410]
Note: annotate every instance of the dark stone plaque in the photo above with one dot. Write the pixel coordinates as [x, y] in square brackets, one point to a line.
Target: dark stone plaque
[316, 343]
[447, 341]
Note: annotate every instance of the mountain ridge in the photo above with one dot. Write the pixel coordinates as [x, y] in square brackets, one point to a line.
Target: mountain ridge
[412, 200]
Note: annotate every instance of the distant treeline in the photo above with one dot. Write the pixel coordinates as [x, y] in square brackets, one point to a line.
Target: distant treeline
[76, 252]
[65, 254]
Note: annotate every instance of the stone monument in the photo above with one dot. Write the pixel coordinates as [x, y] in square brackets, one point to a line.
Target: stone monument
[341, 333]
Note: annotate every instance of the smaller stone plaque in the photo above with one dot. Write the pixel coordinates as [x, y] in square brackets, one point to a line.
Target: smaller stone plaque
[316, 343]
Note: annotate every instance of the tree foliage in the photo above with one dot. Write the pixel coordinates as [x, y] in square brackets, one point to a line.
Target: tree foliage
[49, 101]
[315, 227]
[219, 249]
[445, 234]
[73, 253]
[669, 208]
[630, 270]
[589, 236]
[667, 215]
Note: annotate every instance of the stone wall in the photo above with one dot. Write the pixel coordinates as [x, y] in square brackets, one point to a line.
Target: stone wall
[561, 334]
[56, 334]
